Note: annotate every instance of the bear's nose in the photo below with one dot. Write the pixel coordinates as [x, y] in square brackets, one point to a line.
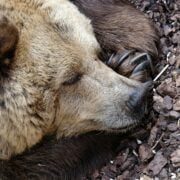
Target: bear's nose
[137, 99]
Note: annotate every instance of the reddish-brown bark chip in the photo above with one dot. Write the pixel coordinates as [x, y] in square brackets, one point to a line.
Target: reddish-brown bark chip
[175, 158]
[156, 165]
[145, 152]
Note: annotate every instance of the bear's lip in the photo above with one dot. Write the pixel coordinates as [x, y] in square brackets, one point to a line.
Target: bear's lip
[125, 128]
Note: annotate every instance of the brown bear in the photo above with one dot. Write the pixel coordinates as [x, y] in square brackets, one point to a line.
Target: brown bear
[53, 82]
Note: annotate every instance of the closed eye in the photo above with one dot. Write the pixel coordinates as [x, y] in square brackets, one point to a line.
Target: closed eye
[73, 80]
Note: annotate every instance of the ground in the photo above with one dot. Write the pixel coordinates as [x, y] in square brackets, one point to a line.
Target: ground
[153, 152]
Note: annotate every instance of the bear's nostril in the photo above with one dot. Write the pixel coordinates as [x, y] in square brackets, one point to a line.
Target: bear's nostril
[137, 99]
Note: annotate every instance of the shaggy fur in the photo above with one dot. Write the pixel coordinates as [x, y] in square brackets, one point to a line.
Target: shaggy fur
[43, 36]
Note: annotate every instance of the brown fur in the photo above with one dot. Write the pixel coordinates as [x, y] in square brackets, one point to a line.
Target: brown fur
[37, 81]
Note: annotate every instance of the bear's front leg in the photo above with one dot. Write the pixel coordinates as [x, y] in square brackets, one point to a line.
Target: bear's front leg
[121, 28]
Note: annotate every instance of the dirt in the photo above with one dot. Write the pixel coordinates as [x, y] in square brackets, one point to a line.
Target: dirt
[154, 152]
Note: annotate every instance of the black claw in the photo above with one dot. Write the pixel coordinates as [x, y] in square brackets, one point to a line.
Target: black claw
[141, 67]
[117, 59]
[143, 61]
[124, 56]
[139, 58]
[150, 63]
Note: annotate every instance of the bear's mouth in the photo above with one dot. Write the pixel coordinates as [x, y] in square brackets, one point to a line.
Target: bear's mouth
[125, 128]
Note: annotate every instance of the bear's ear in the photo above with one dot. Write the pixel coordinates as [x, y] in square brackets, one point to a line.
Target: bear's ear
[8, 41]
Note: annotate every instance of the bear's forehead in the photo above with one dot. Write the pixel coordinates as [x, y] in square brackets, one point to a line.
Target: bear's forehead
[28, 18]
[47, 43]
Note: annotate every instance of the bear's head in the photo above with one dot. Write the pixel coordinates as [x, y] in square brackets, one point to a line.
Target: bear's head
[52, 80]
